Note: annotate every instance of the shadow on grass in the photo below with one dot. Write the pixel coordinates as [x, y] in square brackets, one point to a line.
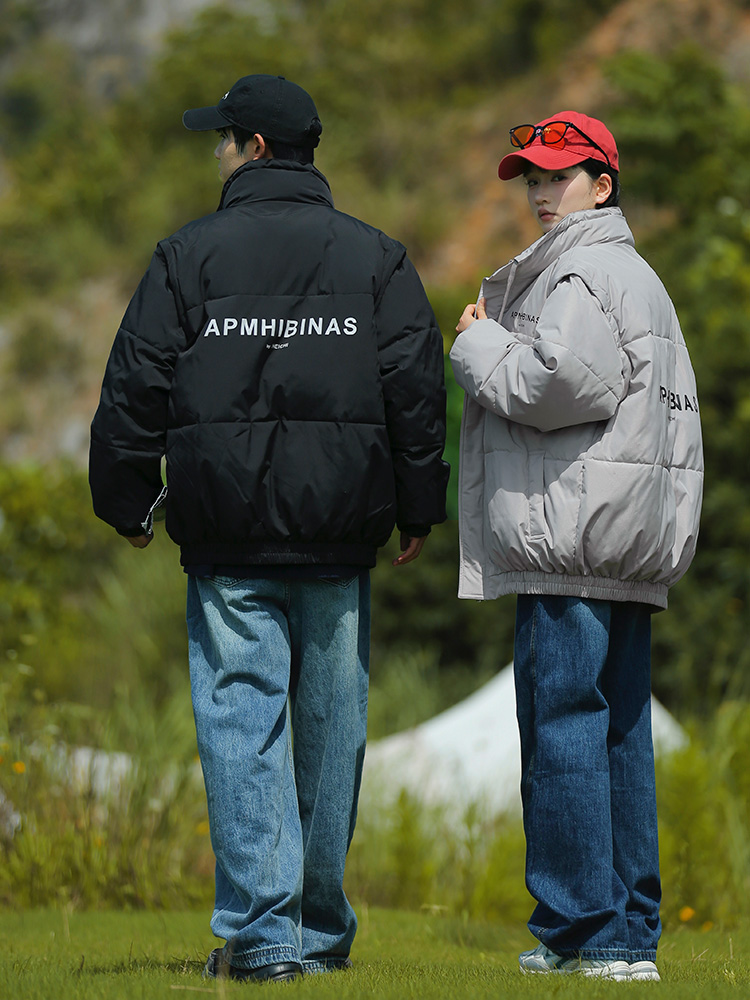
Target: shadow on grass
[181, 966]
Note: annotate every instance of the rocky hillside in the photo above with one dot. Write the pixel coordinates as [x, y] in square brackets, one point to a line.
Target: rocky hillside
[114, 39]
[496, 221]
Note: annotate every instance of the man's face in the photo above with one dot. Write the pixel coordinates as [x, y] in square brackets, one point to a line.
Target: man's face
[227, 155]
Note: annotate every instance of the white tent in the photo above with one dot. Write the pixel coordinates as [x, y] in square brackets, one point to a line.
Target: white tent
[470, 754]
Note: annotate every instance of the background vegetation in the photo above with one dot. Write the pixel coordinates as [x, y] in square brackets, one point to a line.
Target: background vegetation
[415, 96]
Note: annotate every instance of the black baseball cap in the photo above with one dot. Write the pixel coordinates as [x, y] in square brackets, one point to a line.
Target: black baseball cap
[271, 105]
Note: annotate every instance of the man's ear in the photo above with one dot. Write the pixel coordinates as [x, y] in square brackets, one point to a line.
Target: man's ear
[260, 150]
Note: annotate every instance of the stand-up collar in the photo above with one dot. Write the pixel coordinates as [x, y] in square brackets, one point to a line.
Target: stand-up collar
[579, 229]
[276, 180]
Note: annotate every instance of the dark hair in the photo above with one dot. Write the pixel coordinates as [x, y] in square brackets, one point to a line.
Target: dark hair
[595, 168]
[279, 150]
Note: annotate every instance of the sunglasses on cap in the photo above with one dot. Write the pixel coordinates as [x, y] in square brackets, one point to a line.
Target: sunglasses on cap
[552, 134]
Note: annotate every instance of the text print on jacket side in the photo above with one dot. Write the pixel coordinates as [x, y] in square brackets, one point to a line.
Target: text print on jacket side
[677, 401]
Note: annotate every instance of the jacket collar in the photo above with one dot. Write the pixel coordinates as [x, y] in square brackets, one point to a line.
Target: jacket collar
[595, 226]
[579, 229]
[276, 180]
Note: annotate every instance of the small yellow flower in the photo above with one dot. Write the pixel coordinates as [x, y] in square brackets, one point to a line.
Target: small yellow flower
[19, 767]
[203, 828]
[686, 913]
[707, 925]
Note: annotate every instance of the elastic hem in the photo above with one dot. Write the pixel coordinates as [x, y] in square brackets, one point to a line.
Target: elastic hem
[259, 957]
[257, 554]
[564, 585]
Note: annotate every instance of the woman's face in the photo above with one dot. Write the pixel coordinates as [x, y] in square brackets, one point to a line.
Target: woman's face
[553, 194]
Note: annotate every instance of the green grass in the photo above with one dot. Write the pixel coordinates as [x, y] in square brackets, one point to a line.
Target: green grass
[57, 954]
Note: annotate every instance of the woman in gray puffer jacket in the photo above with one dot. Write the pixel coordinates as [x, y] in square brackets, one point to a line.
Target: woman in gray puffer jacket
[580, 490]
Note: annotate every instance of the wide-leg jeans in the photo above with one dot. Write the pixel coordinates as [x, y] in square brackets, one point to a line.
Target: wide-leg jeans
[583, 679]
[279, 676]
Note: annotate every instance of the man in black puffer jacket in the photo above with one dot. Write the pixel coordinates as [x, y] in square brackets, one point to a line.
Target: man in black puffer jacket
[285, 359]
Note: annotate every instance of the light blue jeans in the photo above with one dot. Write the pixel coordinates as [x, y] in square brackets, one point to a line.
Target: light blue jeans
[279, 674]
[583, 690]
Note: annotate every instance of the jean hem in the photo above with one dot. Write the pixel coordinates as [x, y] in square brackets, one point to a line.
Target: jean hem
[606, 954]
[316, 965]
[259, 957]
[618, 955]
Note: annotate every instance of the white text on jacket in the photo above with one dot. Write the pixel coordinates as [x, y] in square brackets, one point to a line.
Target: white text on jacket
[279, 327]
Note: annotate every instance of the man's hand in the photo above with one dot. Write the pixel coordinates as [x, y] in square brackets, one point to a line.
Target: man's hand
[140, 541]
[471, 313]
[410, 549]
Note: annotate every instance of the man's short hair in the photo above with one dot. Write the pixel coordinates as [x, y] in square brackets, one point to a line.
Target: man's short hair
[279, 150]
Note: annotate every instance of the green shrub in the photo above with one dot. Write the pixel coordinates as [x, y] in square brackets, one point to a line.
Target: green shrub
[416, 857]
[39, 350]
[704, 808]
[90, 830]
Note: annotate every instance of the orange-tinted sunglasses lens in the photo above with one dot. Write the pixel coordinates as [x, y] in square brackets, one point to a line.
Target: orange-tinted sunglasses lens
[554, 134]
[522, 135]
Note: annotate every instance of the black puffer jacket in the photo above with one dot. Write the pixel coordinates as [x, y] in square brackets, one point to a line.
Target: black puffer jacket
[285, 359]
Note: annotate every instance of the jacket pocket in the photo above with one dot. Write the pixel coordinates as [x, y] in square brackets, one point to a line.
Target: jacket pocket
[507, 508]
[536, 524]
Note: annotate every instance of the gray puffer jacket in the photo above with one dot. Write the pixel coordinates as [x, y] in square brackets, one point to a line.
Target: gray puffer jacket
[581, 459]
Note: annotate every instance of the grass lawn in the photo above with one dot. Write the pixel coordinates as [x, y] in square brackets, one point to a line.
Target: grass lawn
[55, 955]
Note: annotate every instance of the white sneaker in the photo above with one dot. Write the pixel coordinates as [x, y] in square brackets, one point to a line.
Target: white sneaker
[644, 970]
[541, 959]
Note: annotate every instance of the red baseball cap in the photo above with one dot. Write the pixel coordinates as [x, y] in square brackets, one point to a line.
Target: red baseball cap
[558, 142]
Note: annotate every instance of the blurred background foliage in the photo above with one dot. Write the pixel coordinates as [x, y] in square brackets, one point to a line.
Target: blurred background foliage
[416, 97]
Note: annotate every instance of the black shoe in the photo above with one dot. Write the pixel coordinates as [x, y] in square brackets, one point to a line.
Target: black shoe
[217, 967]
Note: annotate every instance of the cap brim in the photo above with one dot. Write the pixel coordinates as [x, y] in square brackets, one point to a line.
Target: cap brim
[544, 157]
[204, 119]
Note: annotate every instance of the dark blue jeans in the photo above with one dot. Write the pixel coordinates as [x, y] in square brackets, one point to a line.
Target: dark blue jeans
[279, 683]
[583, 690]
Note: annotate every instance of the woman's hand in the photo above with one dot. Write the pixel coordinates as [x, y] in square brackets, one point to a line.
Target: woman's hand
[470, 313]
